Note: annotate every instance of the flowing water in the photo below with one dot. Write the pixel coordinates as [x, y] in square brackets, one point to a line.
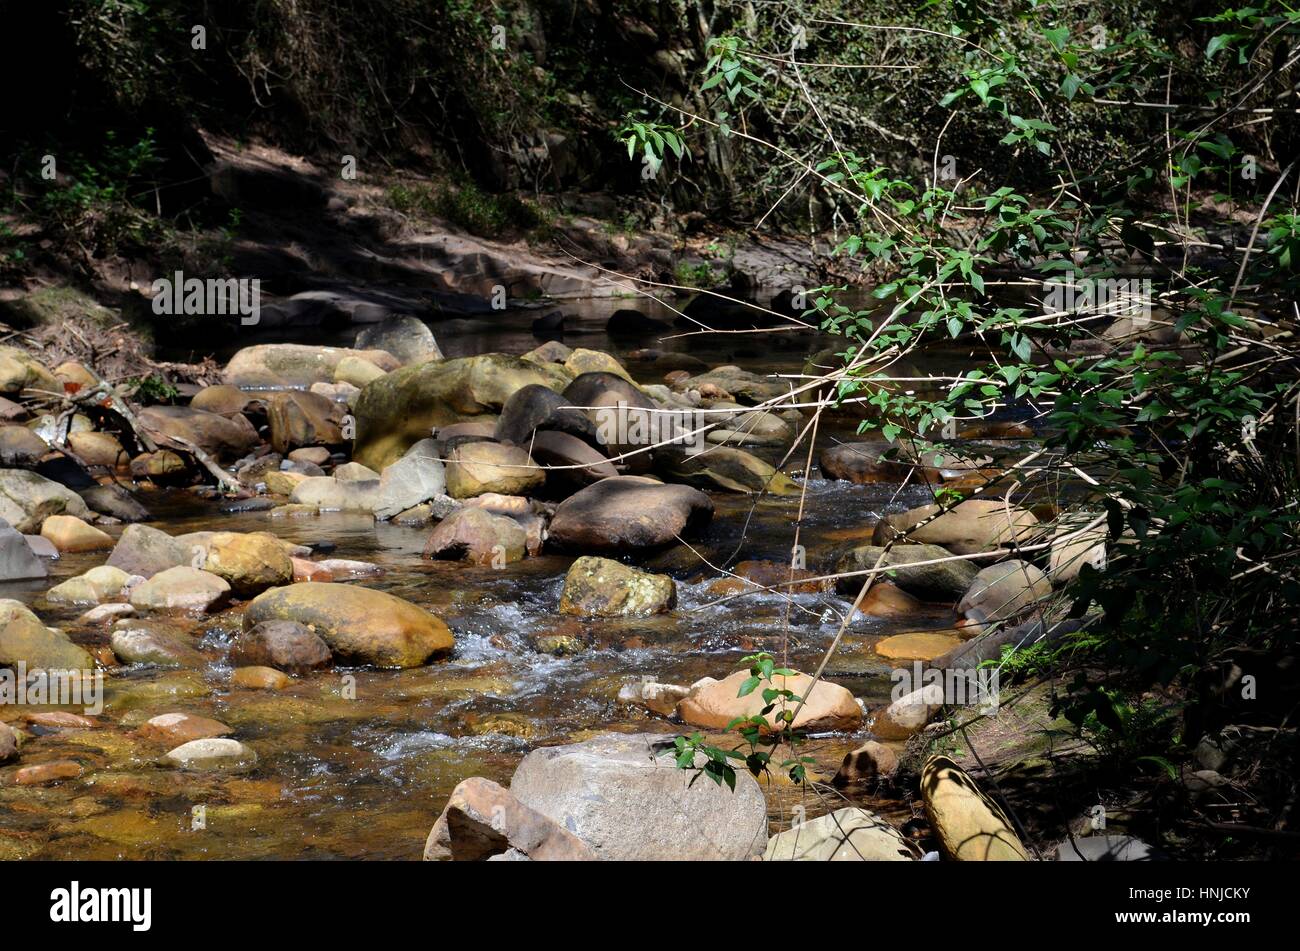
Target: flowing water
[358, 763]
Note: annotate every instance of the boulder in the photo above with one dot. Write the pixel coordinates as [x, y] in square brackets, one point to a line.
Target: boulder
[356, 372]
[655, 697]
[98, 449]
[969, 826]
[476, 535]
[628, 513]
[298, 419]
[399, 409]
[285, 645]
[22, 373]
[145, 551]
[870, 462]
[569, 462]
[917, 645]
[20, 448]
[94, 587]
[28, 499]
[149, 642]
[115, 501]
[1004, 591]
[330, 495]
[294, 365]
[970, 527]
[181, 589]
[599, 587]
[409, 339]
[248, 563]
[224, 400]
[17, 560]
[359, 624]
[908, 714]
[885, 600]
[212, 753]
[259, 678]
[482, 821]
[871, 762]
[478, 467]
[69, 533]
[748, 575]
[1102, 848]
[181, 728]
[582, 361]
[8, 743]
[410, 481]
[723, 467]
[183, 427]
[944, 582]
[535, 407]
[24, 639]
[1069, 555]
[624, 796]
[845, 835]
[829, 706]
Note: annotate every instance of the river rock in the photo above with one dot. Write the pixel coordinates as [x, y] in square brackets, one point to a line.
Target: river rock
[20, 373]
[623, 795]
[223, 399]
[888, 601]
[628, 513]
[407, 338]
[259, 678]
[150, 642]
[570, 463]
[917, 645]
[359, 624]
[479, 467]
[1004, 591]
[478, 536]
[582, 361]
[782, 579]
[535, 407]
[969, 826]
[723, 467]
[23, 638]
[482, 821]
[28, 499]
[299, 418]
[829, 707]
[655, 697]
[599, 587]
[248, 563]
[870, 763]
[870, 462]
[1105, 848]
[17, 560]
[43, 774]
[1069, 555]
[845, 835]
[94, 587]
[183, 427]
[328, 494]
[21, 448]
[286, 645]
[146, 551]
[410, 481]
[115, 501]
[212, 753]
[181, 589]
[970, 527]
[294, 365]
[909, 713]
[69, 533]
[943, 582]
[181, 728]
[98, 449]
[8, 742]
[401, 408]
[356, 372]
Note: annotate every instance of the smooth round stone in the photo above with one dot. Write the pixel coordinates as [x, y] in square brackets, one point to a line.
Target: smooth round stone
[213, 753]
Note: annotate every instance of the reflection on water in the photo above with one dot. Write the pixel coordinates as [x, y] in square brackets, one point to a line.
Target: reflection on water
[357, 763]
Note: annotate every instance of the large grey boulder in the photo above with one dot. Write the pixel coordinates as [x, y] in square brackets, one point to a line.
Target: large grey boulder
[624, 796]
[407, 338]
[483, 822]
[17, 560]
[146, 551]
[413, 479]
[1004, 591]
